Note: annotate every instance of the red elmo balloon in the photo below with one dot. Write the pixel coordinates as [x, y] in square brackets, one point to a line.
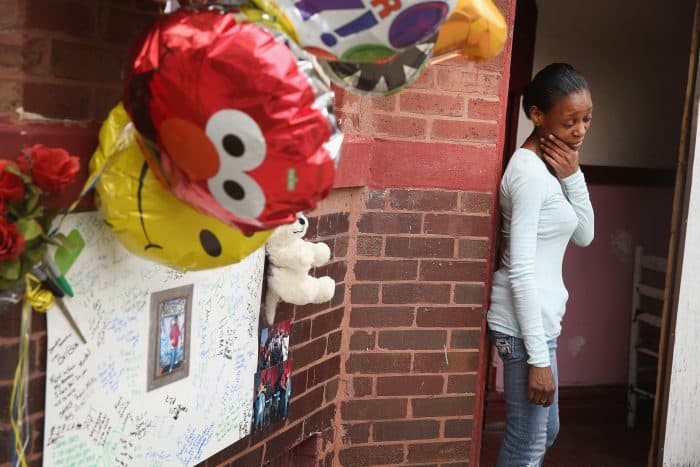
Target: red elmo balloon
[234, 119]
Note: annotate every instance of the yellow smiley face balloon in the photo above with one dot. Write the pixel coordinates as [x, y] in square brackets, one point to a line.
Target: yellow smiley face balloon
[152, 223]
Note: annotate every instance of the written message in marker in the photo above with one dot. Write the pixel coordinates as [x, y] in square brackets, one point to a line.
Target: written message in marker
[166, 375]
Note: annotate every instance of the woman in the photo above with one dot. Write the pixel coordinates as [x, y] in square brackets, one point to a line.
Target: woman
[545, 203]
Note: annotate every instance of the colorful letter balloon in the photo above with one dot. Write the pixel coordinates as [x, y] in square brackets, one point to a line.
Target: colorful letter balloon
[149, 221]
[384, 78]
[476, 30]
[242, 123]
[359, 31]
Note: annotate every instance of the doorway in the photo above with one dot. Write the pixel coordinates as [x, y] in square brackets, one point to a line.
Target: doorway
[634, 55]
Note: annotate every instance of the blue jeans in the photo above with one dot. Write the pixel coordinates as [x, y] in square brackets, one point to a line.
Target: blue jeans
[530, 429]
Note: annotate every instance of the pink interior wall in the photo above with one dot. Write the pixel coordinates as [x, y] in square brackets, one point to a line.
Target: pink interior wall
[593, 347]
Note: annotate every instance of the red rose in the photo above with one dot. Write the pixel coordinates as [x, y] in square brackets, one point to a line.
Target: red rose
[11, 241]
[52, 169]
[11, 185]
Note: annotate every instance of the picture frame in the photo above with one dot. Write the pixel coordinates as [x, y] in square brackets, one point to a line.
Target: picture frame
[169, 336]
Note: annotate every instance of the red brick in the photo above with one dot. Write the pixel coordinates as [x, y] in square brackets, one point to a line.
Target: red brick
[423, 200]
[327, 322]
[459, 130]
[472, 294]
[231, 452]
[309, 353]
[57, 100]
[461, 384]
[339, 297]
[386, 103]
[11, 50]
[410, 247]
[448, 224]
[369, 245]
[319, 421]
[438, 452]
[454, 79]
[305, 311]
[104, 99]
[10, 96]
[458, 428]
[482, 109]
[406, 430]
[432, 104]
[312, 231]
[371, 455]
[335, 270]
[375, 199]
[381, 317]
[476, 203]
[299, 381]
[425, 81]
[373, 363]
[300, 332]
[332, 390]
[402, 127]
[465, 339]
[74, 18]
[126, 26]
[364, 294]
[383, 270]
[302, 406]
[357, 433]
[10, 354]
[373, 409]
[78, 61]
[474, 249]
[361, 340]
[460, 317]
[453, 362]
[334, 341]
[412, 340]
[324, 371]
[333, 224]
[447, 270]
[410, 385]
[282, 442]
[443, 406]
[341, 246]
[252, 459]
[389, 223]
[361, 386]
[415, 293]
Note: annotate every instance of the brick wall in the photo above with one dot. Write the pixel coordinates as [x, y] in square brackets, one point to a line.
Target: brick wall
[414, 327]
[315, 345]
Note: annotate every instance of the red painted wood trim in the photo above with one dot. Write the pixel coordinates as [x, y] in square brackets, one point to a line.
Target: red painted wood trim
[484, 344]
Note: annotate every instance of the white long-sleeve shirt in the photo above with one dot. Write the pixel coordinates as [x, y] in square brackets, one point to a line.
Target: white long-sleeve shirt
[540, 216]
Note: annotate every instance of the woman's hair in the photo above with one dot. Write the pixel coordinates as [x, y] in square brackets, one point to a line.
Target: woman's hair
[551, 84]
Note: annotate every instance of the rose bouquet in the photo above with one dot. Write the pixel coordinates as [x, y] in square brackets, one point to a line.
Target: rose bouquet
[24, 220]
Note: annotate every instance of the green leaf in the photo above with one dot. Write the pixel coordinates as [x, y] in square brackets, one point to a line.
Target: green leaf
[13, 169]
[29, 228]
[7, 284]
[62, 240]
[35, 255]
[32, 202]
[10, 269]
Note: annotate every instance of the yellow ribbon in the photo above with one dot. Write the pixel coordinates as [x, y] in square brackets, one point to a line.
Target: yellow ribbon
[40, 300]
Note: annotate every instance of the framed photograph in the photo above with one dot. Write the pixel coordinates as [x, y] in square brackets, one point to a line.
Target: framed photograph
[274, 345]
[169, 337]
[272, 392]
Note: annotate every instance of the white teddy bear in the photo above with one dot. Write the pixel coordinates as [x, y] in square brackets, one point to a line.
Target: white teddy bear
[290, 258]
